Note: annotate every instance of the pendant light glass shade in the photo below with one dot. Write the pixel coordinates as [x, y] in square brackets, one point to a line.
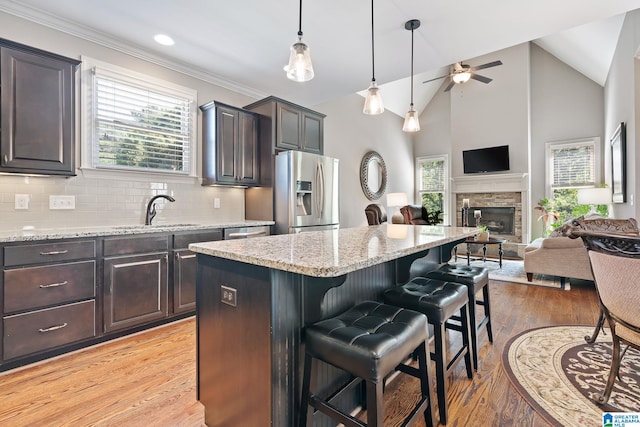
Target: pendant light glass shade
[299, 68]
[373, 102]
[411, 121]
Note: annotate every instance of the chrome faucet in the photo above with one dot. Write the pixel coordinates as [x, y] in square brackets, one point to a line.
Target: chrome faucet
[151, 207]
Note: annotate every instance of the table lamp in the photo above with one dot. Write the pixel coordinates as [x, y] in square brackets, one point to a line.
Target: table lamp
[397, 200]
[594, 196]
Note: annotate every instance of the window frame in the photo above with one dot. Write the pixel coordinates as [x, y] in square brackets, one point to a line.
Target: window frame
[578, 142]
[446, 213]
[88, 122]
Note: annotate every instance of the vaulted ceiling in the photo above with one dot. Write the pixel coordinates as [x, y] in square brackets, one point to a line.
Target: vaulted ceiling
[244, 44]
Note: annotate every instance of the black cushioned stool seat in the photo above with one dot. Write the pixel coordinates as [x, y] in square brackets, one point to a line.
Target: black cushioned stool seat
[475, 279]
[439, 301]
[369, 341]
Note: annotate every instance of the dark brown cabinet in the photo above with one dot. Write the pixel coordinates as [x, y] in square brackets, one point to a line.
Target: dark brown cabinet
[135, 281]
[289, 126]
[49, 296]
[37, 111]
[230, 145]
[184, 268]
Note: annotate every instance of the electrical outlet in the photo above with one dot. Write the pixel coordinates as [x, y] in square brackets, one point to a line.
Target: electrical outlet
[228, 295]
[22, 201]
[216, 203]
[62, 202]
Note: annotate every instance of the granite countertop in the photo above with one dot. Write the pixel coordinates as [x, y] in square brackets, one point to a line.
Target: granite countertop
[116, 230]
[335, 252]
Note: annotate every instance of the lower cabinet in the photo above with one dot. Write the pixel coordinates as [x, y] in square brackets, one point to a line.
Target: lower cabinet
[135, 281]
[135, 290]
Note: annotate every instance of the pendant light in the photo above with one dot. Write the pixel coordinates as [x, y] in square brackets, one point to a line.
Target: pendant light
[373, 102]
[299, 68]
[411, 122]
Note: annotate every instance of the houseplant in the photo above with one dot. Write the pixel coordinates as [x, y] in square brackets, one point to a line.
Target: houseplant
[483, 235]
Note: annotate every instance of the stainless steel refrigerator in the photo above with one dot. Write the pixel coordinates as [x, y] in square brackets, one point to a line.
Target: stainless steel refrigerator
[306, 192]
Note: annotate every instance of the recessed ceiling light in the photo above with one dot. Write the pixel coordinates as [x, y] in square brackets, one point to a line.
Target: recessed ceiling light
[164, 40]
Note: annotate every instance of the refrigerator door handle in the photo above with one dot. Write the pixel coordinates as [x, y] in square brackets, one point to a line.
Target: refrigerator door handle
[320, 186]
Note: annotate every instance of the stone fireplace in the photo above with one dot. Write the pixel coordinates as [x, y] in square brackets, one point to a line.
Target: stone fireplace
[502, 199]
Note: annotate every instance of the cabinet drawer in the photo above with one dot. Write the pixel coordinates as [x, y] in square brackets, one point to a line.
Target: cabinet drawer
[132, 245]
[48, 252]
[33, 287]
[182, 241]
[44, 329]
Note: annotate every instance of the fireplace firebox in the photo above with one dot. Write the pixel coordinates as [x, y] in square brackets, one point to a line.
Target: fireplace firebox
[498, 220]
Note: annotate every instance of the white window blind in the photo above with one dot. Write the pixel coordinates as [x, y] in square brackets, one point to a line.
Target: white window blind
[573, 165]
[139, 123]
[432, 176]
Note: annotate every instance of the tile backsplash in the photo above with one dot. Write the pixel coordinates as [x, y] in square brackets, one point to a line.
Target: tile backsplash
[103, 201]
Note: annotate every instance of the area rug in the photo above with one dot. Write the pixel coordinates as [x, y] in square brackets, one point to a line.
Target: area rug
[558, 374]
[513, 271]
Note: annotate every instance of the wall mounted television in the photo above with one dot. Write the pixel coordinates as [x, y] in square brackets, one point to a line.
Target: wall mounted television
[482, 160]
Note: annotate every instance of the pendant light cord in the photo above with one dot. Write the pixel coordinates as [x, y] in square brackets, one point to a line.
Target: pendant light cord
[412, 28]
[300, 20]
[373, 50]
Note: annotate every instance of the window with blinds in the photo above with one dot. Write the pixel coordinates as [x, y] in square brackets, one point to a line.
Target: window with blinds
[573, 165]
[139, 123]
[431, 180]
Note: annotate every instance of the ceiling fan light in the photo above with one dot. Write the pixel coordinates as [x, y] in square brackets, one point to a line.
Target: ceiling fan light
[461, 77]
[300, 68]
[411, 121]
[373, 102]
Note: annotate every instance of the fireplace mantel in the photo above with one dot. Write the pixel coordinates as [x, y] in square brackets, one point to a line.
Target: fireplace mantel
[487, 183]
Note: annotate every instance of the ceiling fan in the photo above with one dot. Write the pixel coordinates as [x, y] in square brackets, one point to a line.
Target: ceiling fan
[461, 73]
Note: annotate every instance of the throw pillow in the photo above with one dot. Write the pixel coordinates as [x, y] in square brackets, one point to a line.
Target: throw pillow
[605, 225]
[565, 228]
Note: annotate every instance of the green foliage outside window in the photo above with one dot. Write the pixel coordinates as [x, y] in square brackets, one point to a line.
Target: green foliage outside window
[565, 205]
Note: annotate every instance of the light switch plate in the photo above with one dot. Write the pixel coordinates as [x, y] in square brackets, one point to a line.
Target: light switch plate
[22, 201]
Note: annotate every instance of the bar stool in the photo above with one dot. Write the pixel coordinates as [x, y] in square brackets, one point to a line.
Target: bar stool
[475, 279]
[439, 301]
[369, 341]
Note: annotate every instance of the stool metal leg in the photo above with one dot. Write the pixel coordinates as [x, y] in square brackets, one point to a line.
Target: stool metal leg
[440, 358]
[472, 321]
[466, 339]
[487, 311]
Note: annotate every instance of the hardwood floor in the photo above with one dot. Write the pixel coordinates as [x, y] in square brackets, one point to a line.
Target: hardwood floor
[148, 379]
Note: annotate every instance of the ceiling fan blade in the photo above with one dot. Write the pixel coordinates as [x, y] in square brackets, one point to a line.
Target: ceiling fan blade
[487, 65]
[482, 79]
[451, 84]
[437, 78]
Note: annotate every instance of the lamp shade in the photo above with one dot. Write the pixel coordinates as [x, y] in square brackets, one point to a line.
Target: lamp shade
[397, 199]
[461, 77]
[594, 196]
[411, 121]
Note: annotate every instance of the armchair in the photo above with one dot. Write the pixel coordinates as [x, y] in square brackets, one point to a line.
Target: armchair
[416, 215]
[375, 214]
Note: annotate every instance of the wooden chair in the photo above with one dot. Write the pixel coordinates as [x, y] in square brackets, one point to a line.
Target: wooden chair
[615, 263]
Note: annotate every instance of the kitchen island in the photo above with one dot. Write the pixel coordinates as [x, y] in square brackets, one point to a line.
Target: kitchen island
[255, 296]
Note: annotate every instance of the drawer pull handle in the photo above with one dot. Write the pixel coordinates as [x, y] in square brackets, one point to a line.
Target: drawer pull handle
[54, 252]
[54, 285]
[53, 328]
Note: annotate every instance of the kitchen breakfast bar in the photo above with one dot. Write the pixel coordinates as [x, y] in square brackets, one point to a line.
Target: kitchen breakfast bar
[254, 297]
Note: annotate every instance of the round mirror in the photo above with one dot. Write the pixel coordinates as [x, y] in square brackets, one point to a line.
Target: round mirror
[373, 175]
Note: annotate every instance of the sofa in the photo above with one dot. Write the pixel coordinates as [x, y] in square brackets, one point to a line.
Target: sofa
[562, 256]
[375, 214]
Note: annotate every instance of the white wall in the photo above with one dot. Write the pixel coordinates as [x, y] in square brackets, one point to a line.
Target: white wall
[622, 92]
[349, 135]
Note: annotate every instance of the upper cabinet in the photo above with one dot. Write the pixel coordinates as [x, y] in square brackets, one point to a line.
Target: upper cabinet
[229, 145]
[37, 111]
[292, 127]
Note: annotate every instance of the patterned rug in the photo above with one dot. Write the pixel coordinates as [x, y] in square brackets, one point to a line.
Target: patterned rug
[558, 374]
[513, 271]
